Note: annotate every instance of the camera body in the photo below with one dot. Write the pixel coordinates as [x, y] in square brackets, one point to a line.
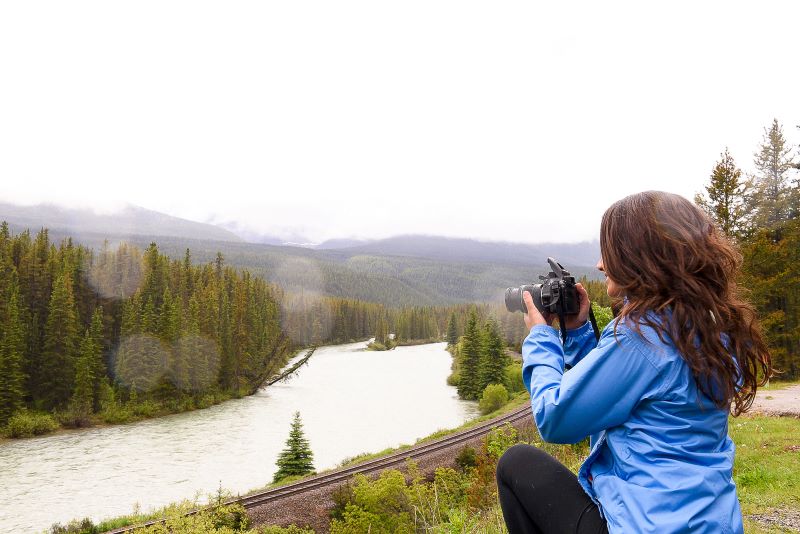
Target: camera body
[556, 294]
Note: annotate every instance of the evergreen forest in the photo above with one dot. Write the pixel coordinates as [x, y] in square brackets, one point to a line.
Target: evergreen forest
[760, 212]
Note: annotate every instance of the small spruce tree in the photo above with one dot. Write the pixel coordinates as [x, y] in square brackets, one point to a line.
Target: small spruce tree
[12, 346]
[771, 196]
[82, 396]
[296, 459]
[61, 339]
[724, 198]
[493, 359]
[452, 330]
[381, 331]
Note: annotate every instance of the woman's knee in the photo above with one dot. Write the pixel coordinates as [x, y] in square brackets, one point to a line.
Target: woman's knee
[517, 458]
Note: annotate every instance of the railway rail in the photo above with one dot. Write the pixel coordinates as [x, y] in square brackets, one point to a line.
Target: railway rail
[366, 467]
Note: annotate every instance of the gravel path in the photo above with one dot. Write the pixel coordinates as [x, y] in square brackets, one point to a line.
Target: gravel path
[787, 519]
[778, 402]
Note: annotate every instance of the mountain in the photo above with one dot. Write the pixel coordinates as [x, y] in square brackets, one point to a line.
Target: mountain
[331, 244]
[292, 239]
[470, 250]
[130, 221]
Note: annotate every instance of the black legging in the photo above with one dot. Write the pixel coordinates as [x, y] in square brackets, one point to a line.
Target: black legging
[539, 495]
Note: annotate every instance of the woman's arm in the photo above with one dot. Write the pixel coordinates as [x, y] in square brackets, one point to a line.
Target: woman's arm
[579, 342]
[599, 392]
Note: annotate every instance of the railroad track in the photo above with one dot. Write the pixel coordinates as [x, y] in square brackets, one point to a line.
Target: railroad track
[367, 467]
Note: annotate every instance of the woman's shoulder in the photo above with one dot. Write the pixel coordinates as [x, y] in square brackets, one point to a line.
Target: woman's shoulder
[646, 336]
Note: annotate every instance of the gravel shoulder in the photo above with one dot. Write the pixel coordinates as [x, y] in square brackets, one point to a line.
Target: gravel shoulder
[784, 402]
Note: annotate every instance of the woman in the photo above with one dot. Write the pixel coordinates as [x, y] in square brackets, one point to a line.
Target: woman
[655, 392]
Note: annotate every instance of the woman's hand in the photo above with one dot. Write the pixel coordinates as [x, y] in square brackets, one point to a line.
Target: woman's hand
[577, 321]
[534, 317]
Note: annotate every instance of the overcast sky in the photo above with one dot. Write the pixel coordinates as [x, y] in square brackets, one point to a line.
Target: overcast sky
[515, 121]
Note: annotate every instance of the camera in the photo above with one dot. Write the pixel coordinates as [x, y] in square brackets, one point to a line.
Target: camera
[556, 294]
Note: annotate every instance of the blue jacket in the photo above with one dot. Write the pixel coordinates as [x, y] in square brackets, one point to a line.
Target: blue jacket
[661, 459]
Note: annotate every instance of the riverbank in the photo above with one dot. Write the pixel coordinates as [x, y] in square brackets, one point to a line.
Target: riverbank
[115, 412]
[36, 424]
[392, 344]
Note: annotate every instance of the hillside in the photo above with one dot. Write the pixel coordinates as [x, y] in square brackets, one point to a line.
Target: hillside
[471, 250]
[390, 280]
[129, 222]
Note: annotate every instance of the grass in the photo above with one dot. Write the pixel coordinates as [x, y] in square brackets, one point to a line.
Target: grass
[767, 468]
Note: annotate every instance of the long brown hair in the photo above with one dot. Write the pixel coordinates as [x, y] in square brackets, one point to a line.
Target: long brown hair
[667, 257]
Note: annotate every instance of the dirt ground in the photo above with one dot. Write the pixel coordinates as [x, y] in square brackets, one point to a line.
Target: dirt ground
[785, 519]
[778, 402]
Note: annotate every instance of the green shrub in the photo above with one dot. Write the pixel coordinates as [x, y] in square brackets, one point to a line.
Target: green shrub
[113, 414]
[500, 439]
[84, 526]
[466, 458]
[186, 404]
[291, 529]
[25, 424]
[73, 418]
[341, 496]
[494, 397]
[379, 506]
[513, 378]
[602, 315]
[146, 408]
[205, 401]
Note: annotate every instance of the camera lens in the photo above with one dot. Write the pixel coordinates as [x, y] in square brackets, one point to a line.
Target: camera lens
[514, 302]
[514, 299]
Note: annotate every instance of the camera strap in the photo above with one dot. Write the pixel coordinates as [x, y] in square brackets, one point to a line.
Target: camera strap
[562, 324]
[594, 323]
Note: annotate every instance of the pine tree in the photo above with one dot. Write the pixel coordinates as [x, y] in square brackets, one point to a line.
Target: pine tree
[97, 361]
[296, 459]
[154, 279]
[493, 357]
[12, 346]
[771, 195]
[197, 354]
[82, 400]
[452, 330]
[470, 353]
[381, 333]
[60, 345]
[771, 272]
[724, 199]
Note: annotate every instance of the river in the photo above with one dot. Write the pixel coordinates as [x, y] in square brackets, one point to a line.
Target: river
[350, 400]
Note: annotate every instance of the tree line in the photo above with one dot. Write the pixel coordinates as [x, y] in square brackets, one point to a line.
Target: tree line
[80, 331]
[760, 212]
